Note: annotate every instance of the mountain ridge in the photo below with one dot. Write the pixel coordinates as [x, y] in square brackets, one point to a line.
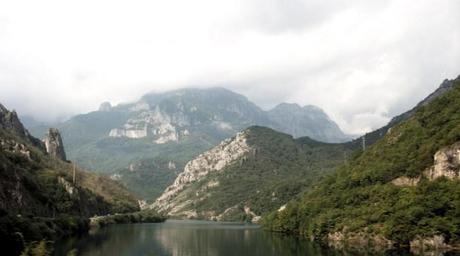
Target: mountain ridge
[174, 126]
[401, 191]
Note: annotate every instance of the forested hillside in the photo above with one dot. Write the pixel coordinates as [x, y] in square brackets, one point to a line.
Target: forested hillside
[403, 190]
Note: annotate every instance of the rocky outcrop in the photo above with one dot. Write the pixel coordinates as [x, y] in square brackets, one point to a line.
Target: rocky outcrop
[156, 123]
[54, 145]
[69, 188]
[169, 117]
[429, 243]
[9, 121]
[446, 163]
[435, 245]
[363, 239]
[14, 147]
[226, 153]
[405, 181]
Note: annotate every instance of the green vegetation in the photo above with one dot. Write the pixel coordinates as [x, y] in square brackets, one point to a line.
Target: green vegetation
[148, 178]
[146, 216]
[277, 170]
[360, 197]
[40, 201]
[209, 116]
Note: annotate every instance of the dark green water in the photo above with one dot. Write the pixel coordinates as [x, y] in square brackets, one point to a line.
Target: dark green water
[189, 238]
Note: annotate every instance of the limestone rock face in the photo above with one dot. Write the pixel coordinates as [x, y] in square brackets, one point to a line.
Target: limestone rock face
[446, 163]
[54, 145]
[155, 123]
[214, 160]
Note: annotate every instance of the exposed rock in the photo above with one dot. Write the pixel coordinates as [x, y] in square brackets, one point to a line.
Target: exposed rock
[282, 208]
[105, 106]
[236, 209]
[363, 239]
[14, 147]
[429, 243]
[9, 121]
[171, 165]
[254, 217]
[143, 204]
[216, 159]
[132, 134]
[54, 145]
[404, 181]
[116, 176]
[446, 163]
[67, 186]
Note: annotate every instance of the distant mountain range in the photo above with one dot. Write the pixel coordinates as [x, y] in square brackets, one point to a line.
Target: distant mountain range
[174, 127]
[212, 154]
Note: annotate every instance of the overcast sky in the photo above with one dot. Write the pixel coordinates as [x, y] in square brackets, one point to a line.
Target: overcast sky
[361, 61]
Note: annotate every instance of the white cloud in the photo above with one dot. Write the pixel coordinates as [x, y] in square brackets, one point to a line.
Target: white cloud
[362, 61]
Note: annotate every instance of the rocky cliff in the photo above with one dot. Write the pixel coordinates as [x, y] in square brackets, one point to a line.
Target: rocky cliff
[245, 176]
[53, 144]
[214, 160]
[35, 180]
[9, 121]
[171, 126]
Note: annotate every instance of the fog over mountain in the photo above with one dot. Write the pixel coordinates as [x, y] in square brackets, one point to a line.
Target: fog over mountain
[362, 62]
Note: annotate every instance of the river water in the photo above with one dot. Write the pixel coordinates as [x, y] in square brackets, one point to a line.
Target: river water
[189, 238]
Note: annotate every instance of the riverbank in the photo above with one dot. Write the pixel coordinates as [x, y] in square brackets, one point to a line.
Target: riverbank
[146, 216]
[30, 235]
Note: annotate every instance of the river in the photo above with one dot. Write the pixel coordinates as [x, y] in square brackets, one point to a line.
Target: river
[188, 238]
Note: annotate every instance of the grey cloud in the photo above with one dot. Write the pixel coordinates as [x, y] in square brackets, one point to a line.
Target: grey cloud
[361, 61]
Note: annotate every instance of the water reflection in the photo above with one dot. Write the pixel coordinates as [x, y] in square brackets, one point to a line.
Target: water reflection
[192, 238]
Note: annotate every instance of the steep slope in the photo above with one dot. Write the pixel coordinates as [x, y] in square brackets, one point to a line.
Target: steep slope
[150, 176]
[243, 177]
[174, 126]
[39, 196]
[304, 121]
[403, 190]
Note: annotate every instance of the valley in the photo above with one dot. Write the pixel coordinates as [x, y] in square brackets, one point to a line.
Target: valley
[180, 158]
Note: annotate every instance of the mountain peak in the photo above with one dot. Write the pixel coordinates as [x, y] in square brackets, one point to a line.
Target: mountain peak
[54, 145]
[287, 106]
[105, 106]
[308, 121]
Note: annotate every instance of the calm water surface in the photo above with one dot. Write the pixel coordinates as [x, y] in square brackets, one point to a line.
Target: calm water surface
[188, 238]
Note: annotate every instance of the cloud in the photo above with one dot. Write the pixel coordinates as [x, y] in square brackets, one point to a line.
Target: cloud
[361, 61]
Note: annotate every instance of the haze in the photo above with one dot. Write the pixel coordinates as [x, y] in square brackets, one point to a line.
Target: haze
[361, 61]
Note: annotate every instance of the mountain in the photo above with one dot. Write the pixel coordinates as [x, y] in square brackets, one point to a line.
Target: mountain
[254, 172]
[42, 196]
[132, 142]
[401, 191]
[307, 121]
